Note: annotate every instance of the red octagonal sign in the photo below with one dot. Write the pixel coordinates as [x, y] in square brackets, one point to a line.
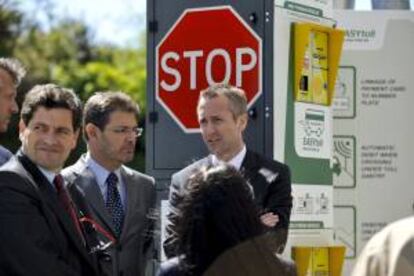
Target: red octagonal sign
[205, 46]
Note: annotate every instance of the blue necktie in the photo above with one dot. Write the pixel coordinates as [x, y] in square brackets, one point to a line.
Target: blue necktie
[114, 204]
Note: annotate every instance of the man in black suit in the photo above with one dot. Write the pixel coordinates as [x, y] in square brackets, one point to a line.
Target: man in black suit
[222, 114]
[11, 73]
[40, 233]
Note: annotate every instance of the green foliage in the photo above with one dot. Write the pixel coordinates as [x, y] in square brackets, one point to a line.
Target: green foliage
[10, 24]
[65, 54]
[120, 73]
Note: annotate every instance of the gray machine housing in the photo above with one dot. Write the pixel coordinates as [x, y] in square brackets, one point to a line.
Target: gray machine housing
[168, 147]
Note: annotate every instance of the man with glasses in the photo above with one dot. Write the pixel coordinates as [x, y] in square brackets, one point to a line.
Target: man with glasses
[120, 197]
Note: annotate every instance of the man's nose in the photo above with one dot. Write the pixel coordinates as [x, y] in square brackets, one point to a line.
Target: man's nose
[14, 107]
[208, 129]
[50, 138]
[131, 136]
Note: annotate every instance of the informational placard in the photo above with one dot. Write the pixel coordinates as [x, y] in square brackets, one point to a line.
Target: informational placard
[302, 126]
[319, 8]
[313, 130]
[373, 137]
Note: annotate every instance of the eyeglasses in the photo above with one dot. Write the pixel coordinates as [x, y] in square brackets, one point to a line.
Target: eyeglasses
[135, 131]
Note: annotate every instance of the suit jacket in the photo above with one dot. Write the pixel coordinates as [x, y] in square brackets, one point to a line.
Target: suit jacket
[252, 257]
[129, 254]
[5, 155]
[271, 185]
[171, 267]
[37, 235]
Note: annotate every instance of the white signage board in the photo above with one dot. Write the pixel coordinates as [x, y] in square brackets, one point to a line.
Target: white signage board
[373, 137]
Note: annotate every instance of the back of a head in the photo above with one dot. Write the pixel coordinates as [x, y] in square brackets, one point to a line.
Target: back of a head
[14, 68]
[217, 213]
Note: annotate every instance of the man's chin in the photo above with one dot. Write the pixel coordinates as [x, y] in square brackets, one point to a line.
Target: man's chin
[51, 167]
[51, 164]
[215, 152]
[127, 158]
[3, 127]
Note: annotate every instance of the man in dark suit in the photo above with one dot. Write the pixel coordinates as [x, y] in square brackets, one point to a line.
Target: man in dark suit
[222, 114]
[11, 73]
[40, 233]
[121, 198]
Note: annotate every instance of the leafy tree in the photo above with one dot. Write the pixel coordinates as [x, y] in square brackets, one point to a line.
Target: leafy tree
[10, 26]
[64, 54]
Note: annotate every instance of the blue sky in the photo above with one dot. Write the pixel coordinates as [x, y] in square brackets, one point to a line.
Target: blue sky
[116, 21]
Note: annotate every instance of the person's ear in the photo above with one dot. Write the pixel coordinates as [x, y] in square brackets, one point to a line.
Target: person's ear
[22, 128]
[242, 121]
[75, 139]
[91, 130]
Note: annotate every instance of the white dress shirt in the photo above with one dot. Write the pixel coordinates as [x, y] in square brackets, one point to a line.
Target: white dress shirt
[236, 161]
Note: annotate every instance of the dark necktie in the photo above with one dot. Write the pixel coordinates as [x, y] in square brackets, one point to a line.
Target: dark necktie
[114, 204]
[67, 203]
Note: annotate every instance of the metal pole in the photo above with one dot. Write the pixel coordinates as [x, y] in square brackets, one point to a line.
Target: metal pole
[390, 4]
[344, 4]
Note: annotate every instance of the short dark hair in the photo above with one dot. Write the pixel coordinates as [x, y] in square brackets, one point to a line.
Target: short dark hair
[15, 69]
[99, 107]
[236, 97]
[217, 212]
[51, 96]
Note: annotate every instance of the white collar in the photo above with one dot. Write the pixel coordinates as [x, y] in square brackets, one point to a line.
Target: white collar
[236, 161]
[48, 174]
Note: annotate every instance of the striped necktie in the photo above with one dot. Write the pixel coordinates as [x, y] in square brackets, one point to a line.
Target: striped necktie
[67, 203]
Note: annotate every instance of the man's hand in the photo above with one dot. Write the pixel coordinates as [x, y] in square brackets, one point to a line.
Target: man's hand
[269, 219]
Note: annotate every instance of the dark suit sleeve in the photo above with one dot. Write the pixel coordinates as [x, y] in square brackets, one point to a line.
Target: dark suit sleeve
[170, 242]
[90, 233]
[149, 237]
[170, 268]
[278, 198]
[28, 244]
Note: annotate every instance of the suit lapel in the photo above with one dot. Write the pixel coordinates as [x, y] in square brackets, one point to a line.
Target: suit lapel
[87, 182]
[131, 201]
[250, 167]
[51, 199]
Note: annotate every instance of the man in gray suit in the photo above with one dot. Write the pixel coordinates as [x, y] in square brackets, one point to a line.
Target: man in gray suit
[120, 198]
[11, 73]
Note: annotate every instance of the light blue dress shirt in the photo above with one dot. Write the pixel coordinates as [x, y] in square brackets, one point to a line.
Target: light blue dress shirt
[5, 155]
[101, 174]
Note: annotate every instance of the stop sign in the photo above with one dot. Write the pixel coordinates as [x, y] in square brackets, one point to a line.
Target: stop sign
[205, 46]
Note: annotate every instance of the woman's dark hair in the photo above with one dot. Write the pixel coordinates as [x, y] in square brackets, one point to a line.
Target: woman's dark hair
[216, 213]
